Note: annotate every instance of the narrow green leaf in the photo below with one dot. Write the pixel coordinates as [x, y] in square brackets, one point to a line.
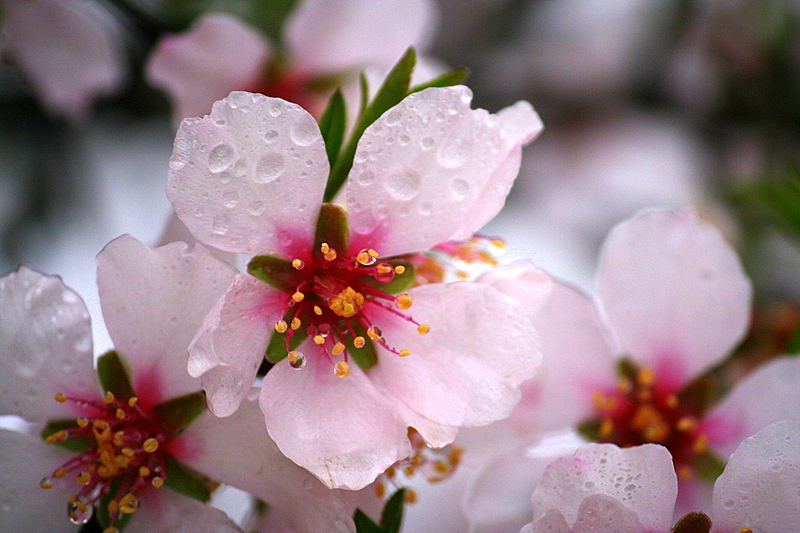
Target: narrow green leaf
[364, 524]
[333, 125]
[276, 349]
[589, 430]
[400, 282]
[448, 79]
[392, 91]
[363, 84]
[114, 376]
[179, 412]
[693, 523]
[75, 444]
[184, 480]
[392, 516]
[332, 229]
[275, 271]
[366, 356]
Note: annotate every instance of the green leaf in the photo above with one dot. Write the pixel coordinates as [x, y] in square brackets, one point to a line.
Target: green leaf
[394, 89]
[399, 283]
[364, 524]
[184, 480]
[333, 125]
[448, 79]
[332, 229]
[276, 349]
[708, 466]
[275, 271]
[693, 523]
[627, 369]
[114, 376]
[363, 84]
[392, 515]
[179, 412]
[75, 444]
[366, 356]
[777, 198]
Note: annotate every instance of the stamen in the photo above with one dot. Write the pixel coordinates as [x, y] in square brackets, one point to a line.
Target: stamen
[296, 323]
[404, 353]
[158, 482]
[128, 504]
[411, 496]
[120, 414]
[46, 483]
[319, 339]
[423, 329]
[281, 326]
[82, 422]
[109, 397]
[359, 342]
[372, 333]
[324, 248]
[399, 269]
[132, 401]
[317, 310]
[342, 369]
[84, 478]
[403, 301]
[338, 348]
[298, 296]
[380, 490]
[298, 264]
[150, 445]
[372, 253]
[60, 398]
[144, 471]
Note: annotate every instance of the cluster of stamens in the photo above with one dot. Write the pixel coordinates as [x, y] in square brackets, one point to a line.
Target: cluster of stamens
[641, 410]
[333, 300]
[435, 464]
[458, 260]
[124, 450]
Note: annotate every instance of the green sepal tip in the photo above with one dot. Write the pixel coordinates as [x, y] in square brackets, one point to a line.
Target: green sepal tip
[332, 229]
[399, 283]
[365, 357]
[275, 271]
[179, 412]
[76, 444]
[113, 375]
[448, 79]
[333, 126]
[186, 481]
[276, 349]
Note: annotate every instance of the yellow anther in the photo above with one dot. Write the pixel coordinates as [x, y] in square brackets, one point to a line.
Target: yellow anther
[150, 445]
[128, 503]
[158, 482]
[383, 268]
[373, 253]
[100, 424]
[144, 471]
[84, 478]
[404, 301]
[341, 369]
[745, 530]
[441, 467]
[462, 275]
[319, 339]
[409, 470]
[645, 377]
[399, 269]
[324, 248]
[330, 256]
[338, 348]
[390, 472]
[293, 356]
[109, 397]
[82, 422]
[281, 326]
[700, 444]
[111, 529]
[423, 329]
[132, 401]
[59, 473]
[119, 439]
[362, 258]
[497, 242]
[672, 401]
[46, 483]
[295, 324]
[624, 385]
[128, 452]
[120, 414]
[58, 436]
[317, 310]
[684, 472]
[411, 496]
[60, 398]
[298, 263]
[359, 342]
[404, 353]
[380, 490]
[347, 303]
[113, 506]
[298, 296]
[372, 333]
[686, 423]
[606, 428]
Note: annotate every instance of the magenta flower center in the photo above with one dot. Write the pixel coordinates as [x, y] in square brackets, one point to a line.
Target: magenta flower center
[124, 453]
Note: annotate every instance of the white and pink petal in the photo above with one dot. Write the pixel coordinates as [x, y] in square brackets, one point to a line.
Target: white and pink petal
[46, 347]
[165, 511]
[249, 177]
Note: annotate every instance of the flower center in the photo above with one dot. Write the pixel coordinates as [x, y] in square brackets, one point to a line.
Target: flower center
[643, 409]
[122, 453]
[338, 301]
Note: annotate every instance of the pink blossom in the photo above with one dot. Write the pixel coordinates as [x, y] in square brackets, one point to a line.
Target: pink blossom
[250, 178]
[323, 39]
[672, 301]
[152, 302]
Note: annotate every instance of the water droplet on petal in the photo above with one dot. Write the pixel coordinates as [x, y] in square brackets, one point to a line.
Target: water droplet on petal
[366, 178]
[297, 359]
[220, 157]
[403, 185]
[269, 168]
[271, 136]
[427, 143]
[304, 131]
[460, 188]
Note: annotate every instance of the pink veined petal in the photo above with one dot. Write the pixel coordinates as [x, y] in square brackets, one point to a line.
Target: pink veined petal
[238, 451]
[326, 36]
[166, 511]
[759, 487]
[25, 505]
[467, 370]
[46, 346]
[769, 394]
[342, 430]
[153, 303]
[672, 288]
[217, 55]
[68, 49]
[647, 490]
[231, 342]
[249, 178]
[520, 124]
[577, 354]
[422, 167]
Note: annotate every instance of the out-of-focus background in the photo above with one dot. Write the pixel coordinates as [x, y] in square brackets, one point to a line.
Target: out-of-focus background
[668, 102]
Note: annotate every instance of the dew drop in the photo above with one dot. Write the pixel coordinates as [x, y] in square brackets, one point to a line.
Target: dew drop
[427, 143]
[257, 208]
[230, 198]
[276, 109]
[729, 504]
[424, 208]
[366, 178]
[454, 153]
[271, 136]
[220, 225]
[392, 118]
[404, 140]
[369, 260]
[304, 131]
[297, 360]
[403, 185]
[269, 168]
[387, 276]
[460, 188]
[220, 157]
[78, 516]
